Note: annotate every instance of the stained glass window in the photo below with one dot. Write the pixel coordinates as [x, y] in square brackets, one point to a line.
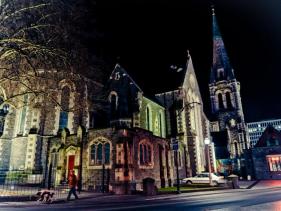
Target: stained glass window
[65, 96]
[107, 153]
[148, 126]
[63, 120]
[93, 154]
[145, 154]
[99, 154]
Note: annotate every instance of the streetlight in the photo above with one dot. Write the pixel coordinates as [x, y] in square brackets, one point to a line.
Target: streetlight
[207, 143]
[175, 146]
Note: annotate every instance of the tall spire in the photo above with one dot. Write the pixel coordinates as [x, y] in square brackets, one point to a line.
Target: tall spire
[221, 68]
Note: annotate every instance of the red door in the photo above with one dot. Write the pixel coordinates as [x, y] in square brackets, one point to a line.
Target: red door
[71, 159]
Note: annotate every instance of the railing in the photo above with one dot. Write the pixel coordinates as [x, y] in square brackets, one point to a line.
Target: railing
[26, 184]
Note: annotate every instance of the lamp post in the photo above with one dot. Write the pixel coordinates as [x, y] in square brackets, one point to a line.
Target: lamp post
[175, 145]
[207, 143]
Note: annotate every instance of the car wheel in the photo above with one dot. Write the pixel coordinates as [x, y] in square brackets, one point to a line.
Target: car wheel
[189, 182]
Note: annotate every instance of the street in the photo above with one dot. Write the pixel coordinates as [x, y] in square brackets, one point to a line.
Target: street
[238, 199]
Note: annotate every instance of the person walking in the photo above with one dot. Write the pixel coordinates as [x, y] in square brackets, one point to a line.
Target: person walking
[72, 183]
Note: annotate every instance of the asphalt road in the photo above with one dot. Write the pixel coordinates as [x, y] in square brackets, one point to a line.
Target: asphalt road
[248, 199]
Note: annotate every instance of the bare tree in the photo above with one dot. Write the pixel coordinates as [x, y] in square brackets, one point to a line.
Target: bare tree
[39, 45]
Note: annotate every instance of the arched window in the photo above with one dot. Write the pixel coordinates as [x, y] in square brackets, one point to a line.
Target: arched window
[220, 101]
[141, 154]
[145, 153]
[160, 125]
[228, 100]
[148, 153]
[65, 96]
[99, 153]
[3, 112]
[93, 154]
[148, 119]
[107, 153]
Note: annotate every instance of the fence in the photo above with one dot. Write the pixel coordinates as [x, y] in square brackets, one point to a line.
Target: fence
[21, 183]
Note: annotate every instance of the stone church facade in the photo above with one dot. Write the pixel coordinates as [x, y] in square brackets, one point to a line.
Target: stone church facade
[137, 142]
[28, 120]
[132, 148]
[186, 120]
[227, 124]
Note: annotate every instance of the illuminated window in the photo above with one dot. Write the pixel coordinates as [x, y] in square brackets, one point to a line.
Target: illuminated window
[274, 162]
[145, 153]
[65, 96]
[148, 118]
[99, 153]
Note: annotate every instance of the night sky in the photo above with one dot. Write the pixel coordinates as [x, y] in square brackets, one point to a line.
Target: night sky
[149, 36]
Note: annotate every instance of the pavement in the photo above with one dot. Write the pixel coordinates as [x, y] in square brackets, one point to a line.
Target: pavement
[60, 197]
[223, 200]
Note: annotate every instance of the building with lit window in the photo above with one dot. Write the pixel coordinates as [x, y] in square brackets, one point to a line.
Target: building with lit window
[255, 129]
[266, 155]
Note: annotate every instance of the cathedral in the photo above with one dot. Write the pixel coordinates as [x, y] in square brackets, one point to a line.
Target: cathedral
[136, 144]
[228, 126]
[114, 135]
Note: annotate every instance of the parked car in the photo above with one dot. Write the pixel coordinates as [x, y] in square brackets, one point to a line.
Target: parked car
[203, 178]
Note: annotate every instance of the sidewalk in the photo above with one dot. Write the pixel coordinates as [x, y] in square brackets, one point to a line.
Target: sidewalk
[61, 197]
[245, 184]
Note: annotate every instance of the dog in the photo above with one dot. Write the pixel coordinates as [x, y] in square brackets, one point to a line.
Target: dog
[45, 196]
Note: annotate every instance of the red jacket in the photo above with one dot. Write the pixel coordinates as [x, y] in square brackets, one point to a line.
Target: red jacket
[72, 181]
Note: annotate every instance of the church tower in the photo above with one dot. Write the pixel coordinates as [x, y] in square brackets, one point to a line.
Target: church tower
[226, 101]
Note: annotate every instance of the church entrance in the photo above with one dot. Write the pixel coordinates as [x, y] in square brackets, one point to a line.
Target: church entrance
[71, 159]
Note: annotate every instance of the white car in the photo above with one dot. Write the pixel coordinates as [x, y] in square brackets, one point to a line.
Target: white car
[203, 178]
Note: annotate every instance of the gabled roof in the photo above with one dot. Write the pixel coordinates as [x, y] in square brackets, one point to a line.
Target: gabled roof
[270, 137]
[123, 73]
[220, 57]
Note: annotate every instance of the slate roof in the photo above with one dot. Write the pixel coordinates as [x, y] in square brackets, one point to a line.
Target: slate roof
[270, 135]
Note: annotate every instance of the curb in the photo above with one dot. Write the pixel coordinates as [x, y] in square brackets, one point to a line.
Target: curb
[252, 185]
[191, 191]
[34, 198]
